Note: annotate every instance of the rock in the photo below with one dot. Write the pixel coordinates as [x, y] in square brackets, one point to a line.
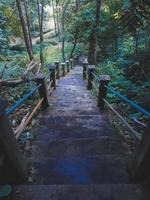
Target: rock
[17, 47]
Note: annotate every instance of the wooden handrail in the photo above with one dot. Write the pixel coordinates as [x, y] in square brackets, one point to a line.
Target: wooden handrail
[26, 120]
[135, 133]
[139, 165]
[22, 100]
[9, 137]
[127, 100]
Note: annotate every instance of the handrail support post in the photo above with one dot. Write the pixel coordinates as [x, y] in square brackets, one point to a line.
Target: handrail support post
[68, 66]
[85, 64]
[15, 165]
[104, 80]
[139, 165]
[63, 69]
[40, 80]
[57, 69]
[52, 72]
[71, 63]
[91, 70]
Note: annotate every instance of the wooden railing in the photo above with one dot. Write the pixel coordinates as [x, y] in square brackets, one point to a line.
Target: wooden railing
[9, 137]
[139, 166]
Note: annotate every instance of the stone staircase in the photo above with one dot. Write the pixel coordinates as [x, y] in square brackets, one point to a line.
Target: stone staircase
[76, 154]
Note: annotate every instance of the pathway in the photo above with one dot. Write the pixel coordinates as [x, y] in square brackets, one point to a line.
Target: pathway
[76, 153]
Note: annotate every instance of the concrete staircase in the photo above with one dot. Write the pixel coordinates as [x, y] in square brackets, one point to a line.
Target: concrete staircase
[76, 154]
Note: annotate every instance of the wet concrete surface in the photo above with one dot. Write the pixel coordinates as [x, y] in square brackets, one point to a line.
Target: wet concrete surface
[76, 153]
[75, 143]
[81, 192]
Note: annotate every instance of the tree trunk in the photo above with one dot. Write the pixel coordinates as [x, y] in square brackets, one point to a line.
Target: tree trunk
[75, 43]
[25, 30]
[64, 7]
[41, 34]
[28, 21]
[40, 19]
[63, 30]
[58, 21]
[76, 32]
[92, 48]
[63, 47]
[136, 41]
[93, 36]
[54, 16]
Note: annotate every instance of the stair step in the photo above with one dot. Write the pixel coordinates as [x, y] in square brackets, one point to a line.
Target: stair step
[76, 154]
[90, 146]
[80, 170]
[80, 192]
[86, 125]
[92, 122]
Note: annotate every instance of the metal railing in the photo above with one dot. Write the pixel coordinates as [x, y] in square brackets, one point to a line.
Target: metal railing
[138, 165]
[127, 100]
[22, 100]
[100, 85]
[8, 136]
[45, 85]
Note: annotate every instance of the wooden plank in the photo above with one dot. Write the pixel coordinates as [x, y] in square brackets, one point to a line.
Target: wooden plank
[135, 133]
[140, 165]
[18, 169]
[91, 69]
[25, 122]
[40, 80]
[104, 80]
[22, 123]
[51, 90]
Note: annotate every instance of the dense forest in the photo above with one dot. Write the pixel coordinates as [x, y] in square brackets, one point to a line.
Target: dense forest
[74, 99]
[113, 35]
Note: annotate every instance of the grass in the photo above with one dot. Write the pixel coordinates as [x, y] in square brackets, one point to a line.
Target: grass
[52, 54]
[17, 61]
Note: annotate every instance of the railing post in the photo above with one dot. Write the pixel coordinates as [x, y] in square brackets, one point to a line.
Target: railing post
[15, 168]
[68, 66]
[91, 70]
[104, 80]
[85, 65]
[139, 165]
[52, 71]
[63, 69]
[40, 79]
[57, 69]
[71, 63]
[75, 60]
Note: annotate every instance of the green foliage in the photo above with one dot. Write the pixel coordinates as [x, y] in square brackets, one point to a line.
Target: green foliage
[16, 66]
[127, 73]
[123, 41]
[138, 66]
[83, 21]
[53, 53]
[136, 15]
[12, 24]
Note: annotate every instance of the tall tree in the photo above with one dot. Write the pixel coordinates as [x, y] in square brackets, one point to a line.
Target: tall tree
[93, 36]
[40, 8]
[54, 15]
[28, 20]
[76, 30]
[58, 19]
[21, 10]
[64, 7]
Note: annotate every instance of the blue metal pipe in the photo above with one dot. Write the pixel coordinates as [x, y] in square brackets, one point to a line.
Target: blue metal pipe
[21, 101]
[137, 107]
